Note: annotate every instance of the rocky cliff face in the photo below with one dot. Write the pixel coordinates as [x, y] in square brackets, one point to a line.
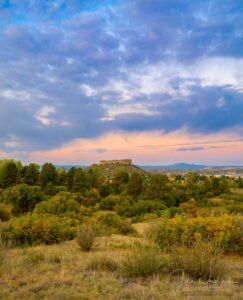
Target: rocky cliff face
[109, 168]
[125, 162]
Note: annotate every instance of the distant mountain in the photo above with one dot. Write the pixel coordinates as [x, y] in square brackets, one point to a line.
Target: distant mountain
[178, 166]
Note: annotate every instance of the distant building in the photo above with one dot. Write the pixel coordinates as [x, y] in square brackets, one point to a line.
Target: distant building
[125, 162]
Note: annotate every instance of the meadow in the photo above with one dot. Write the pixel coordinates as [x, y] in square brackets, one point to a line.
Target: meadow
[77, 234]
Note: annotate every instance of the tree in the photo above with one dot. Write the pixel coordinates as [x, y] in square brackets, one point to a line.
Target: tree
[92, 177]
[22, 197]
[79, 181]
[32, 173]
[48, 174]
[69, 178]
[61, 173]
[155, 185]
[135, 184]
[105, 190]
[120, 180]
[8, 175]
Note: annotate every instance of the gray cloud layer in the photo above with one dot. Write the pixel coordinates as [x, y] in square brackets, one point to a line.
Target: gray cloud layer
[70, 71]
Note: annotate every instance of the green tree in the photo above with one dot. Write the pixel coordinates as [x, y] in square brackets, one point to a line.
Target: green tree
[22, 197]
[8, 175]
[92, 177]
[48, 174]
[120, 180]
[135, 184]
[155, 184]
[69, 178]
[80, 183]
[61, 174]
[105, 190]
[32, 173]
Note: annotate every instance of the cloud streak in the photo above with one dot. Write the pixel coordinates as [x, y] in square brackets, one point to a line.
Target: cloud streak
[80, 69]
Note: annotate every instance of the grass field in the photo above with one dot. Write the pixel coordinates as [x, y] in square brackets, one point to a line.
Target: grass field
[61, 272]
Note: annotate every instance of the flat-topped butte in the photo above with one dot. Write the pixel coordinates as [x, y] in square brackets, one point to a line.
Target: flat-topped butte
[125, 162]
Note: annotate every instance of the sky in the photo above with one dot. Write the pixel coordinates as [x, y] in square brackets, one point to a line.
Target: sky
[157, 81]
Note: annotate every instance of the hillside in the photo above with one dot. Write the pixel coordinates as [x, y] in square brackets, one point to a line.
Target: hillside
[109, 168]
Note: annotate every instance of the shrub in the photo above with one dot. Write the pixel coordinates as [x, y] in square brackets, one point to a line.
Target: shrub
[143, 262]
[173, 211]
[99, 228]
[33, 229]
[202, 261]
[102, 263]
[5, 212]
[2, 256]
[109, 202]
[93, 197]
[115, 222]
[63, 204]
[141, 207]
[85, 237]
[125, 227]
[109, 219]
[225, 231]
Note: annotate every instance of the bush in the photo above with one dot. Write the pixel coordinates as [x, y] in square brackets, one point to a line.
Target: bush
[5, 212]
[173, 211]
[63, 204]
[33, 229]
[2, 256]
[110, 219]
[102, 263]
[202, 261]
[125, 227]
[141, 207]
[143, 262]
[109, 202]
[225, 231]
[115, 222]
[85, 237]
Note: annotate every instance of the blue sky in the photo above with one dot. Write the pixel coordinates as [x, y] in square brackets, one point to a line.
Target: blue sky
[84, 70]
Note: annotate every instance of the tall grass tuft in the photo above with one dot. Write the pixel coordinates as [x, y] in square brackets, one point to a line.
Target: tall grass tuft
[143, 262]
[102, 263]
[86, 236]
[35, 257]
[203, 261]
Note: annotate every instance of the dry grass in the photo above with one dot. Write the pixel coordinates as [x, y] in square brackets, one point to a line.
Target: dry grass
[62, 274]
[203, 261]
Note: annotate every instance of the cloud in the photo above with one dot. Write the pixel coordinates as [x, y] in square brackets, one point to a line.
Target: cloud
[43, 114]
[100, 151]
[190, 149]
[80, 69]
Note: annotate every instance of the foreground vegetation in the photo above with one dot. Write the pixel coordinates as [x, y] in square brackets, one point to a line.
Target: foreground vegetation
[78, 234]
[65, 272]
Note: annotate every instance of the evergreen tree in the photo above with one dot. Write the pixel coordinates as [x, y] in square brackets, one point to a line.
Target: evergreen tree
[69, 178]
[31, 176]
[135, 184]
[8, 175]
[79, 181]
[48, 174]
